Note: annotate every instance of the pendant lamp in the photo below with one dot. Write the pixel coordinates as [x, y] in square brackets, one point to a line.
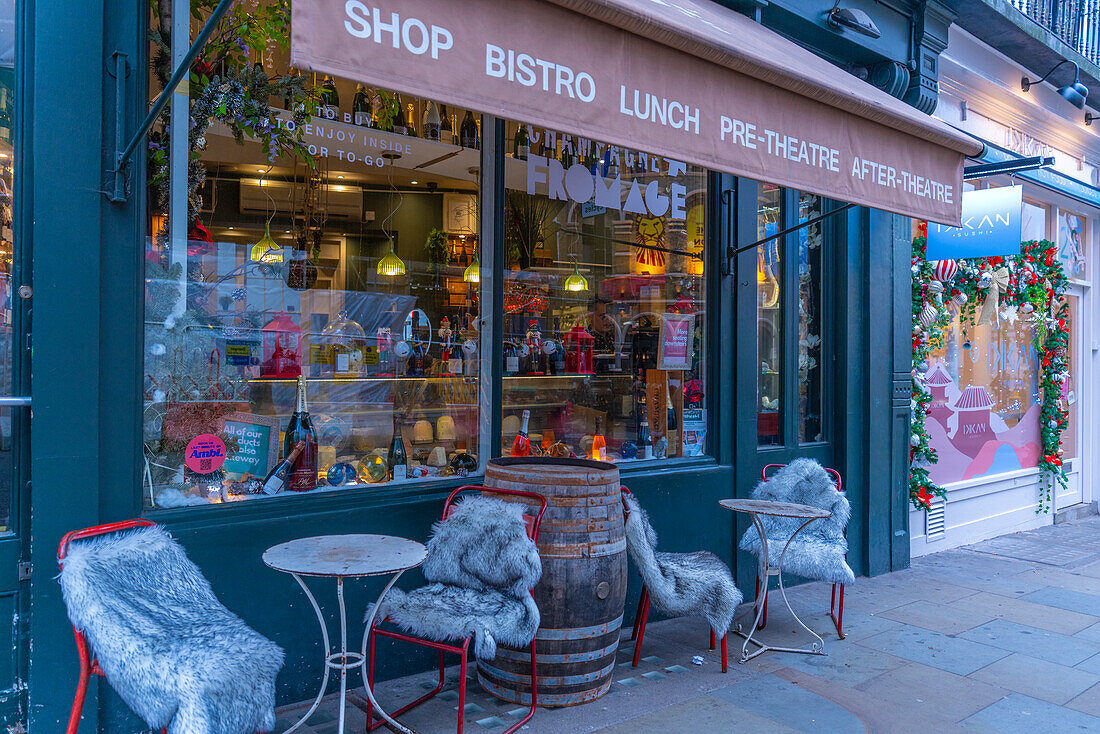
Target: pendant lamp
[266, 249]
[472, 274]
[391, 265]
[576, 282]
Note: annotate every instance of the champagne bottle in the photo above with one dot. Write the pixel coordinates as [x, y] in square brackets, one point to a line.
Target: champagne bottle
[521, 144]
[468, 131]
[446, 130]
[599, 443]
[276, 480]
[410, 128]
[399, 127]
[672, 430]
[396, 459]
[645, 446]
[521, 446]
[300, 430]
[432, 122]
[361, 107]
[330, 98]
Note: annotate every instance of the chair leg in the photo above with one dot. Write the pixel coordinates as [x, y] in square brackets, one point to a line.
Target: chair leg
[370, 679]
[644, 606]
[82, 682]
[725, 665]
[534, 693]
[638, 612]
[764, 601]
[837, 611]
[712, 639]
[461, 694]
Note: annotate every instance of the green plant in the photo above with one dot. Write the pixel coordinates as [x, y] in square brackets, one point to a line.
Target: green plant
[436, 247]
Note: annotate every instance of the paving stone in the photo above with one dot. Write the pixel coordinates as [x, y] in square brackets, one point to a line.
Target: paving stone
[935, 617]
[654, 675]
[629, 682]
[1037, 643]
[652, 660]
[1021, 714]
[847, 664]
[1021, 611]
[676, 669]
[932, 648]
[1037, 678]
[1065, 579]
[1088, 702]
[790, 705]
[1075, 601]
[1026, 547]
[1091, 665]
[492, 722]
[920, 688]
[705, 714]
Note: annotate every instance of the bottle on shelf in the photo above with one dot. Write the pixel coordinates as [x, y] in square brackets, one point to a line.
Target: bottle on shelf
[432, 122]
[568, 156]
[399, 127]
[645, 445]
[599, 443]
[521, 143]
[410, 127]
[397, 461]
[446, 126]
[330, 98]
[468, 132]
[672, 426]
[275, 482]
[521, 445]
[559, 354]
[300, 430]
[361, 107]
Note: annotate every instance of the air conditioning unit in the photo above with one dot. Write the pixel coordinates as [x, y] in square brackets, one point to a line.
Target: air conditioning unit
[340, 201]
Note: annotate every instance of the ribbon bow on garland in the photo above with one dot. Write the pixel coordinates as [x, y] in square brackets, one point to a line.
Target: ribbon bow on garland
[1031, 284]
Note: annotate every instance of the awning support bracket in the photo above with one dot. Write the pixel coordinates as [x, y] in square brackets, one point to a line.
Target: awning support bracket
[123, 156]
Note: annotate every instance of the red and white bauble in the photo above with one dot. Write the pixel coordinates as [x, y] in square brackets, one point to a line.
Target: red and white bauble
[944, 270]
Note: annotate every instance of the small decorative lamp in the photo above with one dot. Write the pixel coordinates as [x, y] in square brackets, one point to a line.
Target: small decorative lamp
[472, 274]
[282, 343]
[266, 250]
[391, 265]
[578, 350]
[576, 282]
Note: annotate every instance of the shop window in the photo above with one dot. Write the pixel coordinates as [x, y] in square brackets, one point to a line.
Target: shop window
[1072, 242]
[1034, 222]
[769, 316]
[327, 245]
[984, 414]
[810, 405]
[1071, 387]
[604, 300]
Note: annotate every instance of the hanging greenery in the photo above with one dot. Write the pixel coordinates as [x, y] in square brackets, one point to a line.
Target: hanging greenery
[1029, 286]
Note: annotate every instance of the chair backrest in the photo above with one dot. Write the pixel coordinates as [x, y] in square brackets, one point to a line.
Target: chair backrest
[112, 527]
[833, 472]
[531, 521]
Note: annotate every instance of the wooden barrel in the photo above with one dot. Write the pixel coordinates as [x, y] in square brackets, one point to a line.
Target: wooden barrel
[583, 588]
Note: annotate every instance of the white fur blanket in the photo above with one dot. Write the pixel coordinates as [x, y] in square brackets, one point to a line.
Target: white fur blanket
[169, 648]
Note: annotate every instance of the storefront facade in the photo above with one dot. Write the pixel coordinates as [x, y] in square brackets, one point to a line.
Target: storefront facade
[618, 320]
[986, 497]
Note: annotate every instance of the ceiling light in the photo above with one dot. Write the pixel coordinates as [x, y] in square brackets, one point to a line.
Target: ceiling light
[391, 265]
[576, 282]
[1075, 93]
[266, 250]
[339, 176]
[853, 19]
[472, 273]
[414, 182]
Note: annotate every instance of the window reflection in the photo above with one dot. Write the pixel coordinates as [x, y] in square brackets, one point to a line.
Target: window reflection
[769, 320]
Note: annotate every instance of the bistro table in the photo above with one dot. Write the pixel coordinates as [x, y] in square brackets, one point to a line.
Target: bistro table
[756, 508]
[341, 557]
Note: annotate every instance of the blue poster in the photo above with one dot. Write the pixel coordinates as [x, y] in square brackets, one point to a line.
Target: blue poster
[991, 225]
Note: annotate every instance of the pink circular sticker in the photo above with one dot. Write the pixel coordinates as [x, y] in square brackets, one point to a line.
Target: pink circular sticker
[205, 454]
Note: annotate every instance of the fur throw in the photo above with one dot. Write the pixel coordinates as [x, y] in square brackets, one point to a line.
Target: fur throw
[169, 648]
[681, 584]
[818, 551]
[481, 566]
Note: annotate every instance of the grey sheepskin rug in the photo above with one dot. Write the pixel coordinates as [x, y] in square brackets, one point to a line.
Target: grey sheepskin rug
[681, 584]
[481, 567]
[818, 551]
[175, 655]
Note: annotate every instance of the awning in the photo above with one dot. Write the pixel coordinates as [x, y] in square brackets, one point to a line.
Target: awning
[690, 80]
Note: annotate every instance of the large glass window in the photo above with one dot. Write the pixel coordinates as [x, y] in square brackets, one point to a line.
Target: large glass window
[318, 254]
[810, 398]
[769, 316]
[604, 300]
[1072, 243]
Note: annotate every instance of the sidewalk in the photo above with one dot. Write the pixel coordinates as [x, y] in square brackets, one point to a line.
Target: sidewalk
[1001, 636]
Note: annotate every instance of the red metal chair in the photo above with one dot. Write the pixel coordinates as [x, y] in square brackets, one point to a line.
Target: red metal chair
[641, 616]
[533, 522]
[88, 665]
[836, 612]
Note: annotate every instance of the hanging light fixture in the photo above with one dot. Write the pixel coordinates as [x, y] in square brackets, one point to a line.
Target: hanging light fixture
[1075, 93]
[266, 250]
[576, 282]
[472, 274]
[391, 265]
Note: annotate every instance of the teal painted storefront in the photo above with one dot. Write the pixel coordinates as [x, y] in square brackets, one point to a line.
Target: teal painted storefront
[85, 367]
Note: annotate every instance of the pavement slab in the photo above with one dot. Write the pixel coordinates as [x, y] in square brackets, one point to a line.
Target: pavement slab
[1032, 641]
[937, 650]
[913, 687]
[1030, 613]
[1019, 714]
[1037, 678]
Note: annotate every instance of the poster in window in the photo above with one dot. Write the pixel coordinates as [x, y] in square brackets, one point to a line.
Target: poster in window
[677, 337]
[257, 443]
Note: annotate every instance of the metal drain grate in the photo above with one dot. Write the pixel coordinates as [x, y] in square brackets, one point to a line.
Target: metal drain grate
[935, 524]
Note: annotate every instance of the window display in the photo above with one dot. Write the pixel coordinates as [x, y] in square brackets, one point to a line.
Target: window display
[769, 316]
[604, 300]
[313, 312]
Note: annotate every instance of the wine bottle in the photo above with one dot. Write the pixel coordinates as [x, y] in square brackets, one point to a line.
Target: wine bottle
[361, 107]
[410, 128]
[446, 129]
[399, 127]
[330, 98]
[396, 459]
[645, 446]
[521, 446]
[568, 157]
[672, 426]
[275, 482]
[300, 429]
[432, 122]
[599, 443]
[468, 132]
[521, 144]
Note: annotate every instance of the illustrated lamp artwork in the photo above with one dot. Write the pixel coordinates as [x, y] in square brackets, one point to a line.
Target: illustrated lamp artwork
[853, 19]
[390, 264]
[1075, 93]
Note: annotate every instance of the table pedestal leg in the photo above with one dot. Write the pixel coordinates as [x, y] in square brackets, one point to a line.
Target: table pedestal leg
[391, 722]
[816, 648]
[324, 640]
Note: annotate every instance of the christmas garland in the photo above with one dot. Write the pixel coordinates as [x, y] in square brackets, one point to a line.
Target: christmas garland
[1030, 285]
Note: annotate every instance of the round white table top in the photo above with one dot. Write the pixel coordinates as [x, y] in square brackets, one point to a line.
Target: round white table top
[775, 509]
[345, 555]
